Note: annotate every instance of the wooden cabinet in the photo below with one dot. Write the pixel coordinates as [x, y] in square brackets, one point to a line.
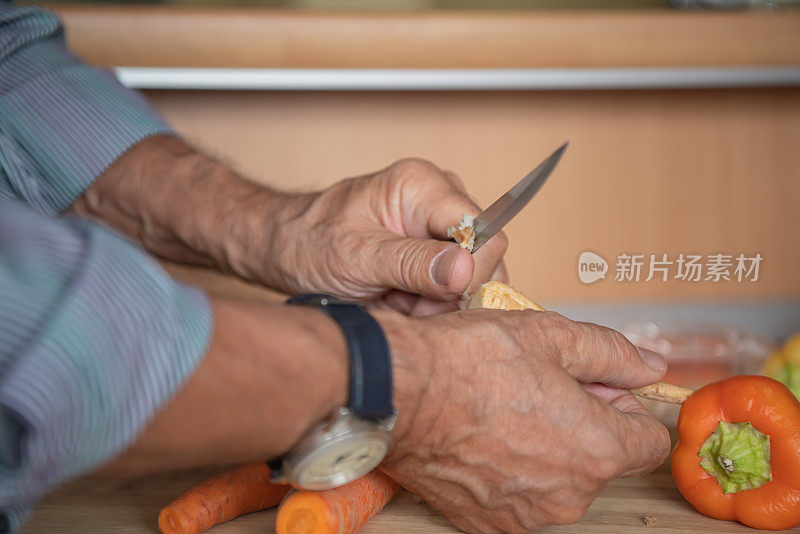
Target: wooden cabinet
[693, 171]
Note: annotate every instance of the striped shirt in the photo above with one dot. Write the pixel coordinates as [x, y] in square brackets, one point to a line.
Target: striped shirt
[94, 335]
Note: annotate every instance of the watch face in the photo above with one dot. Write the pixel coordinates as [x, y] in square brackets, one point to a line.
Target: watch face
[339, 461]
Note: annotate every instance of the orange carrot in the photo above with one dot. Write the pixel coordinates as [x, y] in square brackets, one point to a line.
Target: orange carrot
[222, 498]
[342, 510]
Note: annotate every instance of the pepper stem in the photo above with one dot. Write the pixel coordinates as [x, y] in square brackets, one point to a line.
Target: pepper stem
[738, 456]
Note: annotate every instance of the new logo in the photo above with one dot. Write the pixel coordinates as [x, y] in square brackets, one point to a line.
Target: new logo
[591, 267]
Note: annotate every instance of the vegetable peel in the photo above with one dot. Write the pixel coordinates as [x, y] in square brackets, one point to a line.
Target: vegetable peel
[464, 233]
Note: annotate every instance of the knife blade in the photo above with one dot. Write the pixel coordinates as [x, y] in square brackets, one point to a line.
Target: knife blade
[496, 216]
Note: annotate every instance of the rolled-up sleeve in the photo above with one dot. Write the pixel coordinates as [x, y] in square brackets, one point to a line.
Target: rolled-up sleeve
[62, 123]
[94, 338]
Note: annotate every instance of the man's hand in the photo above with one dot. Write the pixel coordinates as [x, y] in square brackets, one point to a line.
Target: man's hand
[366, 236]
[507, 429]
[380, 237]
[507, 421]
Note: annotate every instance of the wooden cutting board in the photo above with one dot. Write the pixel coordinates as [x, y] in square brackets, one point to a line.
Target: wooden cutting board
[92, 506]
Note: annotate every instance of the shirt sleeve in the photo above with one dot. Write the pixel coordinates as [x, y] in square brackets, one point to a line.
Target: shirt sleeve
[94, 338]
[62, 122]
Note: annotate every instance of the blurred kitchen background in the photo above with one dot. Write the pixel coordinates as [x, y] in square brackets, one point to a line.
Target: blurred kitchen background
[683, 119]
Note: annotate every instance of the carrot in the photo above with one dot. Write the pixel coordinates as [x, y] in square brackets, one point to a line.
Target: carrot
[341, 510]
[222, 498]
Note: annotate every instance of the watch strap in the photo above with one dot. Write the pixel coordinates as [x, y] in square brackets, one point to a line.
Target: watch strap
[370, 389]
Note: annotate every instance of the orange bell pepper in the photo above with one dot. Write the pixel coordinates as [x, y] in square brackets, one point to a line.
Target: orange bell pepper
[738, 454]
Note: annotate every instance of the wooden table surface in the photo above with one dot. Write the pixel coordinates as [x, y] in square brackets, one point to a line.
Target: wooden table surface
[92, 506]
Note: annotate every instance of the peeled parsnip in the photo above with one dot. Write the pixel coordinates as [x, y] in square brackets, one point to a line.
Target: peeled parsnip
[663, 392]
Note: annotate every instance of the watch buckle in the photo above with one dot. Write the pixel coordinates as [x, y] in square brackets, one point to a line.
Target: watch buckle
[277, 474]
[387, 423]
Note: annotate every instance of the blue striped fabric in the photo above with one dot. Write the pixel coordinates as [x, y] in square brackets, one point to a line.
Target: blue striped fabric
[65, 122]
[94, 336]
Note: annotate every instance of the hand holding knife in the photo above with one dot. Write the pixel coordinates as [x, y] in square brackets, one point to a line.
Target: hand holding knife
[473, 233]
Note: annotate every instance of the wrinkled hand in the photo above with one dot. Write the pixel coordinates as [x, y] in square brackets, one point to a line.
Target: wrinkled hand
[383, 237]
[520, 419]
[380, 237]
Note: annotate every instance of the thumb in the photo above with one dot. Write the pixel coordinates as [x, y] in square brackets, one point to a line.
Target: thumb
[439, 270]
[593, 353]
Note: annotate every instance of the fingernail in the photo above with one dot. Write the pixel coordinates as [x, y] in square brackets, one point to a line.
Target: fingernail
[653, 359]
[442, 267]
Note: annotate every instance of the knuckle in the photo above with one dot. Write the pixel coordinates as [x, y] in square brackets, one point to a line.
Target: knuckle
[567, 502]
[455, 179]
[605, 469]
[620, 344]
[529, 328]
[415, 167]
[561, 333]
[518, 529]
[617, 351]
[566, 511]
[553, 322]
[649, 443]
[401, 263]
[573, 515]
[661, 445]
[523, 521]
[415, 267]
[501, 242]
[508, 520]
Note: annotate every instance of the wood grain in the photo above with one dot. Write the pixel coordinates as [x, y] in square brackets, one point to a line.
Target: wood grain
[252, 37]
[101, 507]
[647, 172]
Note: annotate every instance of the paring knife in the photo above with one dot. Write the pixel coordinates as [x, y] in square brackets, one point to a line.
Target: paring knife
[496, 216]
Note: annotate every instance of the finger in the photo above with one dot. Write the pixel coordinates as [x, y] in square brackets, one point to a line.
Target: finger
[432, 200]
[454, 202]
[488, 259]
[379, 304]
[445, 210]
[592, 353]
[645, 440]
[626, 402]
[456, 181]
[438, 270]
[401, 301]
[426, 307]
[501, 273]
[605, 393]
[438, 203]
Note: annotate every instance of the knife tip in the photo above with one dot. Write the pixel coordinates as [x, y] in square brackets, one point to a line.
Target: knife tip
[560, 150]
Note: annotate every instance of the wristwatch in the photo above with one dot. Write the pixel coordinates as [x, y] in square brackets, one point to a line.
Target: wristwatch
[355, 438]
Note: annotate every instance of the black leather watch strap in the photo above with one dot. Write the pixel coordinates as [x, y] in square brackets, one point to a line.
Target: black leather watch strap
[370, 387]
